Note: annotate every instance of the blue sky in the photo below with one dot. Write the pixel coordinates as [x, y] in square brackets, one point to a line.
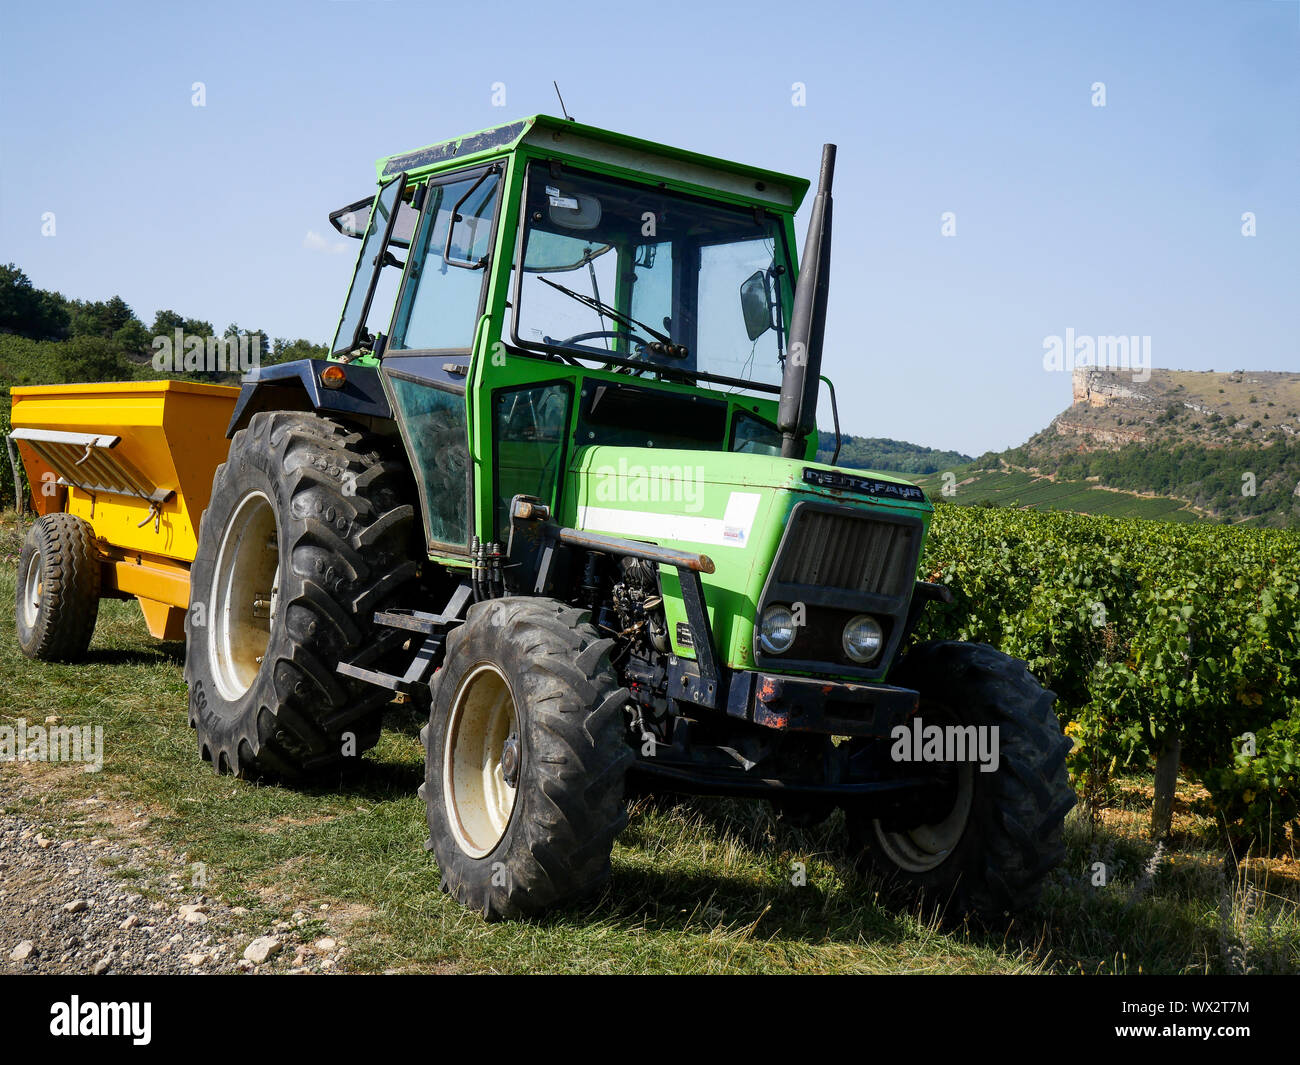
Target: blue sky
[1123, 219]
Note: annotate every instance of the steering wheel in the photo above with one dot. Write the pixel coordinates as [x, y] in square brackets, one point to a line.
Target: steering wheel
[612, 334]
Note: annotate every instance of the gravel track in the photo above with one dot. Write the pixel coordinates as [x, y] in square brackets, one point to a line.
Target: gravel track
[63, 909]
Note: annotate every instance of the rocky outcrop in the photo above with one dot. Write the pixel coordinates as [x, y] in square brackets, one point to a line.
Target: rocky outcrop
[1101, 388]
[1109, 435]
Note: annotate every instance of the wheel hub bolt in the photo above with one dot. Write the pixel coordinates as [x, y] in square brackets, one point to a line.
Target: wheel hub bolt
[510, 759]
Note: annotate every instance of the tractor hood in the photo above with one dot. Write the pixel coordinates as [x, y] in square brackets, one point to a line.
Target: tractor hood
[661, 477]
[732, 507]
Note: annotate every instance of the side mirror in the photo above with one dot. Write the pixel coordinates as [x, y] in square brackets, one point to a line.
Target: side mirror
[755, 304]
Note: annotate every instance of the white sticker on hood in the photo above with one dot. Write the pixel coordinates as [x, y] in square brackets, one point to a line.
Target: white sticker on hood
[733, 529]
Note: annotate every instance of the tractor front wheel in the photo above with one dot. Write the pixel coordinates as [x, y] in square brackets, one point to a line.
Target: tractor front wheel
[989, 837]
[526, 758]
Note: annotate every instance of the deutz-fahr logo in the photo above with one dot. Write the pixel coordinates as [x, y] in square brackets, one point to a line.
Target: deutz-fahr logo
[846, 482]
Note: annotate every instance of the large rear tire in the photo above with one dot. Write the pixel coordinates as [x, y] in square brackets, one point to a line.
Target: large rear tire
[58, 588]
[307, 534]
[526, 758]
[993, 836]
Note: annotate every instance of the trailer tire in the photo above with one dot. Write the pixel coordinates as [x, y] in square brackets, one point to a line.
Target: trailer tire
[308, 532]
[991, 860]
[58, 588]
[535, 675]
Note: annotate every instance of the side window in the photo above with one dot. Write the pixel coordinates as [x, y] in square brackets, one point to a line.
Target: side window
[438, 306]
[724, 268]
[528, 425]
[369, 267]
[751, 436]
[434, 423]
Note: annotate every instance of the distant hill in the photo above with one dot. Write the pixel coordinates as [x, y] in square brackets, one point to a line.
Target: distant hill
[887, 456]
[1213, 410]
[1183, 445]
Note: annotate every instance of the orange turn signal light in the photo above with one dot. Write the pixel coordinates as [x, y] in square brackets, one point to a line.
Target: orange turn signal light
[333, 377]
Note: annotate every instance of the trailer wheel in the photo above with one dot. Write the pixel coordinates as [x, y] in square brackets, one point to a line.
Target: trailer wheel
[58, 588]
[991, 837]
[307, 534]
[526, 758]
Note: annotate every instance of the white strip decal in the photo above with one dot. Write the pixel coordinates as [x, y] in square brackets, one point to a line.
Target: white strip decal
[731, 530]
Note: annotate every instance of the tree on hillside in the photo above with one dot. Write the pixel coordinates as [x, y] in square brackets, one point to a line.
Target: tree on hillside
[86, 358]
[263, 340]
[288, 350]
[881, 453]
[101, 318]
[133, 337]
[165, 323]
[30, 311]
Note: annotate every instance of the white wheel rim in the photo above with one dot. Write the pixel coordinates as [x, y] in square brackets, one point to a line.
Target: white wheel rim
[245, 596]
[926, 847]
[32, 589]
[477, 796]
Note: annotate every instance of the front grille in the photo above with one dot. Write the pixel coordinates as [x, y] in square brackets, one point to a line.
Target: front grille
[849, 552]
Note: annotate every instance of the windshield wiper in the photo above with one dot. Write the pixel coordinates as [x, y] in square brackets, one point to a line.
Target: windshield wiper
[626, 320]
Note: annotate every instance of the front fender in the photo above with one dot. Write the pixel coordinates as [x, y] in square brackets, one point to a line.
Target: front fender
[296, 386]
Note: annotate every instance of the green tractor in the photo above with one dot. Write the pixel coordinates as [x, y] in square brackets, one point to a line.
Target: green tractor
[558, 483]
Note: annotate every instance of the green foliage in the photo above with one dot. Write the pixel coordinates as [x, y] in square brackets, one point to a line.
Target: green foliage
[165, 323]
[1261, 791]
[1144, 629]
[24, 361]
[30, 311]
[92, 358]
[132, 338]
[101, 318]
[289, 350]
[1029, 491]
[881, 453]
[7, 487]
[1207, 477]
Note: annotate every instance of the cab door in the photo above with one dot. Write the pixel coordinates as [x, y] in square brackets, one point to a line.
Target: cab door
[426, 361]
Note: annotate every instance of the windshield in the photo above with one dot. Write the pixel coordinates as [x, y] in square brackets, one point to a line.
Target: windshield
[613, 270]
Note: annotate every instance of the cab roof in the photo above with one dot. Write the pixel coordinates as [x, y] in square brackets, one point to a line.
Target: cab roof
[574, 139]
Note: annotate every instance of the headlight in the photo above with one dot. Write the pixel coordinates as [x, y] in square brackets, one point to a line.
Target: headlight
[776, 630]
[863, 638]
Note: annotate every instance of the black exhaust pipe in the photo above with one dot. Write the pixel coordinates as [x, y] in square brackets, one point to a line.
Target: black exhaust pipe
[803, 365]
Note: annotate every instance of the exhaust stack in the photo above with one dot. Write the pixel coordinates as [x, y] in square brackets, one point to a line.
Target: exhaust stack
[803, 365]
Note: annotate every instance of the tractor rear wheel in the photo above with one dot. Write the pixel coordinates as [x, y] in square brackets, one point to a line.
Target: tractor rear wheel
[307, 534]
[526, 758]
[58, 588]
[991, 837]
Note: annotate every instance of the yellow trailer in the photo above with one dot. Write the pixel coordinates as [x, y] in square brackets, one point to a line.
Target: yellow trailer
[130, 467]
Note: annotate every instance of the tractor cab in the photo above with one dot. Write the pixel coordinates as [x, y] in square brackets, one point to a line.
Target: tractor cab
[547, 286]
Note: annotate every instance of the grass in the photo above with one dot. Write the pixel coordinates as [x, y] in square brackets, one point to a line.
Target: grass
[1231, 393]
[703, 887]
